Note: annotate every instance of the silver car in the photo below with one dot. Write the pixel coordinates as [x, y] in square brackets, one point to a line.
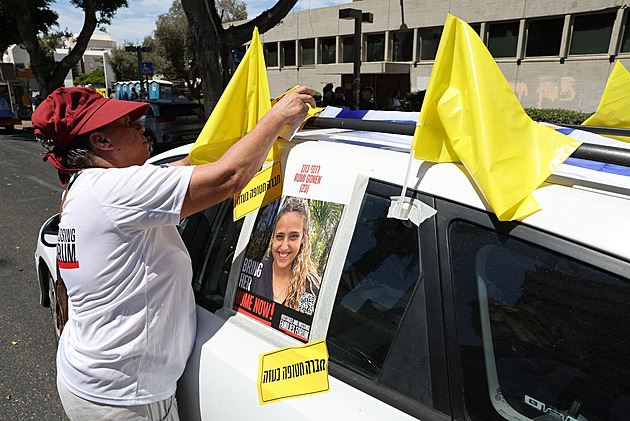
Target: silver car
[171, 123]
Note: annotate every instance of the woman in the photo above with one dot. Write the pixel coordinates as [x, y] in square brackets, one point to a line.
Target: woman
[288, 273]
[393, 102]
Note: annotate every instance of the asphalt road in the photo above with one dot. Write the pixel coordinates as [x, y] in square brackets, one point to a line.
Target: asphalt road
[29, 194]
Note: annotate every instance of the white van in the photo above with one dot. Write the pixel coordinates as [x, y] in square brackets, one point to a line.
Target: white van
[457, 317]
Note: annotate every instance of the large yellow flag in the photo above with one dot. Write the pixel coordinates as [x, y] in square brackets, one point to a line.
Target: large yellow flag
[245, 100]
[614, 107]
[471, 115]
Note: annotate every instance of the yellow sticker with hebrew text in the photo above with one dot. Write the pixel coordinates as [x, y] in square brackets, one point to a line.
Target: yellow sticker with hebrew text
[293, 372]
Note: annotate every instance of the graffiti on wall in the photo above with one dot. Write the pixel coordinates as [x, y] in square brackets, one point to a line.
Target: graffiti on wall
[548, 91]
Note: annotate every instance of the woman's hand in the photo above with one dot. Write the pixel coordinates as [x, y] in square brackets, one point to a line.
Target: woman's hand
[292, 106]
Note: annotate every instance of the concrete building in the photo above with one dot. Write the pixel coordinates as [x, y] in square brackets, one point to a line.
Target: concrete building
[554, 54]
[24, 88]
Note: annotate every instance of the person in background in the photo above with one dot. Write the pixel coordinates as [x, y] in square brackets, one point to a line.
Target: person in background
[131, 323]
[367, 95]
[327, 94]
[393, 102]
[134, 94]
[339, 100]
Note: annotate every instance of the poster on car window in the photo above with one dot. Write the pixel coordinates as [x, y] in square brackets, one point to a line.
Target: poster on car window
[285, 261]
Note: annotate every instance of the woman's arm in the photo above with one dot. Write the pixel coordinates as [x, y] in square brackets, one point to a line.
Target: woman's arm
[215, 182]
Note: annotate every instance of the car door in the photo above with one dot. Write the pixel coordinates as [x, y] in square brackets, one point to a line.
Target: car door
[379, 310]
[536, 324]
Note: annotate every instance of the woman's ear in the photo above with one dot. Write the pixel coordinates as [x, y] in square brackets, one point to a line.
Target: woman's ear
[99, 142]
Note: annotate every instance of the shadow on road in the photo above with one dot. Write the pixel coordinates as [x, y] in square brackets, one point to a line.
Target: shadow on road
[25, 135]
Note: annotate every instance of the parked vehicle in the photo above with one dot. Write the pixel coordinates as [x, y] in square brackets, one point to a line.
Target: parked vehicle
[461, 317]
[171, 123]
[7, 118]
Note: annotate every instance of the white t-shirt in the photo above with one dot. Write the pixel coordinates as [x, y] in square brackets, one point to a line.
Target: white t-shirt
[131, 309]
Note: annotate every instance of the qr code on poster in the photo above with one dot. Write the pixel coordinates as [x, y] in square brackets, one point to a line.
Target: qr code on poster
[307, 302]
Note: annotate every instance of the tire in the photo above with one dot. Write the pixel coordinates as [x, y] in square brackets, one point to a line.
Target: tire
[52, 298]
[152, 142]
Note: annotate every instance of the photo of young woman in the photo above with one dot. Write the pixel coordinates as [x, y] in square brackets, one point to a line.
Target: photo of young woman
[288, 275]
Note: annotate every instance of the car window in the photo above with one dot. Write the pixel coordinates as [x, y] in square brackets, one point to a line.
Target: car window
[212, 268]
[178, 110]
[541, 335]
[371, 331]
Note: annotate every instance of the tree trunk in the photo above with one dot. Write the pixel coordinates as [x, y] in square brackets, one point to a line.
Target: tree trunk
[213, 44]
[50, 75]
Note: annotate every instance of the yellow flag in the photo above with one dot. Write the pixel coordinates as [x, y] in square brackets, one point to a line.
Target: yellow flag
[614, 107]
[245, 100]
[471, 115]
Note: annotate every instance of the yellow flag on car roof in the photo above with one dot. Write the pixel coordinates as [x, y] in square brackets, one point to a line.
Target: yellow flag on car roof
[614, 107]
[245, 100]
[471, 115]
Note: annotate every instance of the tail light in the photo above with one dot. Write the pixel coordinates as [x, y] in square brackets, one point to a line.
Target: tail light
[165, 119]
[202, 116]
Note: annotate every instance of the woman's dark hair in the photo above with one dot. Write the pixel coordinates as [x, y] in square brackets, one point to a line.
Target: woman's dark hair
[78, 154]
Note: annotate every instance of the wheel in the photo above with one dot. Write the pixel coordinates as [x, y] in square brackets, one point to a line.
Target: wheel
[152, 142]
[52, 298]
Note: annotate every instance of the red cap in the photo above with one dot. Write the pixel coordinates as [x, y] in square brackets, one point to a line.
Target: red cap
[69, 112]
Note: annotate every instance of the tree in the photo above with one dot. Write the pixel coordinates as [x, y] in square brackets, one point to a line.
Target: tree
[231, 10]
[95, 78]
[48, 73]
[42, 17]
[171, 33]
[125, 63]
[213, 43]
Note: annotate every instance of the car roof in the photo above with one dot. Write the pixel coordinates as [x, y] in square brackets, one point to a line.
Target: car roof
[580, 201]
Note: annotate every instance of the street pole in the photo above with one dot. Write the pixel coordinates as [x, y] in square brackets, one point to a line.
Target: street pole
[139, 50]
[356, 86]
[359, 18]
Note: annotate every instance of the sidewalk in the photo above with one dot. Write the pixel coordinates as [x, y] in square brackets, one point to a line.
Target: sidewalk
[26, 125]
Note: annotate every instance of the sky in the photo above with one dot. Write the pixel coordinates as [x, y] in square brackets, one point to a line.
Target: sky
[138, 20]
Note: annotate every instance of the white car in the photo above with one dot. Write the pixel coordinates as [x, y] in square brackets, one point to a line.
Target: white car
[459, 317]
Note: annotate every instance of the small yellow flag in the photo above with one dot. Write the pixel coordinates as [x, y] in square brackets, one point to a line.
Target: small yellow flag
[245, 100]
[471, 115]
[293, 372]
[614, 107]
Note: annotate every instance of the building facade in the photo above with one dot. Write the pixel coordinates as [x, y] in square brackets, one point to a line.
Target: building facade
[554, 54]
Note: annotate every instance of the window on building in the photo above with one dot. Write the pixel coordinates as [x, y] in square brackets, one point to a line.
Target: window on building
[476, 27]
[544, 37]
[271, 54]
[625, 41]
[288, 53]
[591, 33]
[347, 49]
[503, 39]
[375, 50]
[307, 52]
[429, 41]
[402, 46]
[329, 50]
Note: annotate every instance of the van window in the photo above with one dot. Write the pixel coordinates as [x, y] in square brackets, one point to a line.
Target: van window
[541, 335]
[212, 268]
[371, 331]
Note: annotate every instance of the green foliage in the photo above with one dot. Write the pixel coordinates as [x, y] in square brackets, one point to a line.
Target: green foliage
[95, 78]
[43, 19]
[171, 34]
[557, 116]
[412, 101]
[231, 10]
[124, 64]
